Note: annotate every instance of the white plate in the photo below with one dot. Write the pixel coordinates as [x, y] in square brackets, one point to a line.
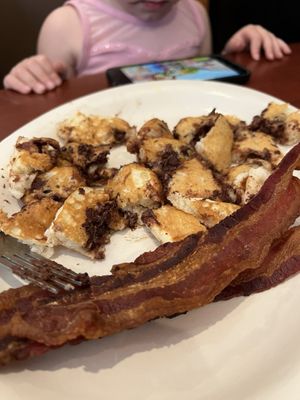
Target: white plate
[246, 348]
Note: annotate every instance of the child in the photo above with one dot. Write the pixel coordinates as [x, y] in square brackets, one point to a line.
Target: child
[90, 36]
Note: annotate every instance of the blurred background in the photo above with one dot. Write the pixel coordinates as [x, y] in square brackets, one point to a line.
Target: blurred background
[19, 27]
[21, 21]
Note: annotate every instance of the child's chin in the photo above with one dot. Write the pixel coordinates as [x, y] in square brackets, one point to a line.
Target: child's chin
[147, 14]
[147, 17]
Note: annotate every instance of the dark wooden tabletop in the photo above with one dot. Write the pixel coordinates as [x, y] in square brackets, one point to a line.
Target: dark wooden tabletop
[278, 78]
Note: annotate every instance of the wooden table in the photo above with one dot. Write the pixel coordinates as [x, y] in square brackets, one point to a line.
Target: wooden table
[278, 78]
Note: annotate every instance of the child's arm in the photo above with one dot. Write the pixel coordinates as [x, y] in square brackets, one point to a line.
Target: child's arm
[59, 46]
[256, 38]
[206, 46]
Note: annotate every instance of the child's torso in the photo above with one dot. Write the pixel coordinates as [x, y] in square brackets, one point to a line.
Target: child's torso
[113, 38]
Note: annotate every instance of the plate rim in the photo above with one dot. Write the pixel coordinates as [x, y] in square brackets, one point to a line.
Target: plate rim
[113, 90]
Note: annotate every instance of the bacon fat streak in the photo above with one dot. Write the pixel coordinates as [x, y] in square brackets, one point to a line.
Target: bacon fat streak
[173, 279]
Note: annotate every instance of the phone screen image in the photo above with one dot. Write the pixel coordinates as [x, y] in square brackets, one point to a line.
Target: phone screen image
[203, 68]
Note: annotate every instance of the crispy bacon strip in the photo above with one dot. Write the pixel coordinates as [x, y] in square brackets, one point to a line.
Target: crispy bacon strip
[173, 279]
[282, 261]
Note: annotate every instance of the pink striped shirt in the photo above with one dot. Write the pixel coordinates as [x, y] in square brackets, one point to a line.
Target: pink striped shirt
[112, 37]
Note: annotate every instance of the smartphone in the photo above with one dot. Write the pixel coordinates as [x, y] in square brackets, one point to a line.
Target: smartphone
[195, 68]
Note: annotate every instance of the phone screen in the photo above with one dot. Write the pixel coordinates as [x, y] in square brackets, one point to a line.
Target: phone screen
[204, 68]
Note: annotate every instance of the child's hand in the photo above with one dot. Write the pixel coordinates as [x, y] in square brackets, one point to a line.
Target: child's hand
[256, 38]
[34, 74]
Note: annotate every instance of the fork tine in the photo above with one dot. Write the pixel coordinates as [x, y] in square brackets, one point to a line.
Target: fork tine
[37, 269]
[38, 273]
[22, 273]
[44, 273]
[59, 268]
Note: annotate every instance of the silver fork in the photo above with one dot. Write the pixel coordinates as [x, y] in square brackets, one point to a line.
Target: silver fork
[36, 269]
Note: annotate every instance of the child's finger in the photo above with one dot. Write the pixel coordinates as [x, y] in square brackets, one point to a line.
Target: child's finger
[284, 46]
[255, 47]
[11, 82]
[274, 48]
[268, 46]
[277, 50]
[43, 75]
[24, 75]
[49, 69]
[235, 44]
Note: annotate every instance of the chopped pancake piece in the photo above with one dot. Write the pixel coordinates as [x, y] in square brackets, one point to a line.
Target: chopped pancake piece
[169, 224]
[90, 159]
[193, 179]
[276, 111]
[58, 183]
[85, 155]
[136, 187]
[154, 128]
[241, 134]
[271, 120]
[85, 221]
[216, 146]
[237, 125]
[94, 130]
[62, 162]
[276, 121]
[233, 120]
[256, 145]
[30, 157]
[30, 223]
[99, 176]
[152, 149]
[247, 179]
[190, 129]
[292, 129]
[208, 212]
[164, 155]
